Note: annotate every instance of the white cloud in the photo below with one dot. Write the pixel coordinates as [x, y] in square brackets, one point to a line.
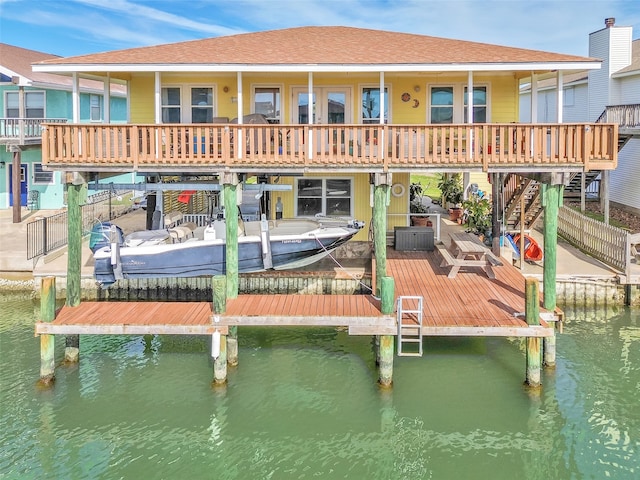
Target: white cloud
[71, 27]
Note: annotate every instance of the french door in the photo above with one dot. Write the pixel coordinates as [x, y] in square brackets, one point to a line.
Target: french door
[327, 105]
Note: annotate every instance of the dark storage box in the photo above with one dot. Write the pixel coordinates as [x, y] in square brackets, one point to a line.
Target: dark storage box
[413, 238]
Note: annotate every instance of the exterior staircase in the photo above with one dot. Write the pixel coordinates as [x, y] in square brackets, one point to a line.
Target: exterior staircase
[518, 188]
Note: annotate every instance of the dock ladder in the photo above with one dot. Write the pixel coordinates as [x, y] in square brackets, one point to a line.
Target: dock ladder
[409, 325]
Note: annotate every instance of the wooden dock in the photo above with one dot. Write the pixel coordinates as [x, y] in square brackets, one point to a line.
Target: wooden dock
[471, 304]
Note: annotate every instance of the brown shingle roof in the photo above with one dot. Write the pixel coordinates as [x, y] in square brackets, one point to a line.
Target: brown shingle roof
[19, 60]
[321, 46]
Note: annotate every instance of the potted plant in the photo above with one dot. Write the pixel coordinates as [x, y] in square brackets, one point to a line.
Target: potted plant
[478, 212]
[451, 188]
[416, 205]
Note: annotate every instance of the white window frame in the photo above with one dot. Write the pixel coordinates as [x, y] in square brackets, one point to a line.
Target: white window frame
[37, 169]
[458, 100]
[185, 99]
[163, 105]
[26, 93]
[278, 117]
[324, 195]
[568, 97]
[476, 105]
[387, 103]
[98, 107]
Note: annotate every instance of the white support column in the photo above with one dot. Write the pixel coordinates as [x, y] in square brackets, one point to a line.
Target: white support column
[240, 99]
[128, 101]
[534, 98]
[75, 98]
[310, 112]
[560, 91]
[107, 99]
[158, 98]
[157, 89]
[470, 98]
[240, 140]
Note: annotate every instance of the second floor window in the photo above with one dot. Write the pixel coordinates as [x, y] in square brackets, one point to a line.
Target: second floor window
[187, 104]
[171, 111]
[442, 105]
[33, 108]
[266, 101]
[371, 105]
[449, 104]
[95, 108]
[479, 104]
[201, 105]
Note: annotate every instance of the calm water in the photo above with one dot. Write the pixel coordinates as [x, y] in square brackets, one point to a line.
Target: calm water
[304, 404]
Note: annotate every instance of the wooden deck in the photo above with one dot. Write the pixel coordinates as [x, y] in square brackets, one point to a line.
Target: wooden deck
[133, 318]
[471, 304]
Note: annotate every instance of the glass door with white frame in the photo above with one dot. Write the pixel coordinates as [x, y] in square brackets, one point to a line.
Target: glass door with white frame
[328, 105]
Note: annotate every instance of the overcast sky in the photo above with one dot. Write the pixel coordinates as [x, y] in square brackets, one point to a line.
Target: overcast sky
[74, 27]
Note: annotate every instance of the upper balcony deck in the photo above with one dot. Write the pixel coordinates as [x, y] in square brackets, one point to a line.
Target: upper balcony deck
[23, 131]
[325, 148]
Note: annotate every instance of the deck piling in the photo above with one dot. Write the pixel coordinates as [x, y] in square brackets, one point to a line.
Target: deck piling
[532, 316]
[47, 342]
[385, 378]
[220, 363]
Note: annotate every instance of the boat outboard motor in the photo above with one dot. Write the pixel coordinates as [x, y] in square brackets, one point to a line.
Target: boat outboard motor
[101, 236]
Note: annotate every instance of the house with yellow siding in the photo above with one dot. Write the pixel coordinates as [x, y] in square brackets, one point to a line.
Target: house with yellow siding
[302, 107]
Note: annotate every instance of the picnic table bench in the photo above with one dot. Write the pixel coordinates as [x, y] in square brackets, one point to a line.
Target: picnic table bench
[467, 251]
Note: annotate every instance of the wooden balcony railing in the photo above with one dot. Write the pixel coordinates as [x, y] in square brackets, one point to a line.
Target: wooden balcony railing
[295, 148]
[625, 116]
[23, 131]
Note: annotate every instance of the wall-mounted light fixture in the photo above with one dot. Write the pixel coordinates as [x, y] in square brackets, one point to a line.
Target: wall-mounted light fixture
[234, 99]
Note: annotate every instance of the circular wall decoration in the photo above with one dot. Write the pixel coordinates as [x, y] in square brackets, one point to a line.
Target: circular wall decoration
[397, 190]
[416, 103]
[406, 97]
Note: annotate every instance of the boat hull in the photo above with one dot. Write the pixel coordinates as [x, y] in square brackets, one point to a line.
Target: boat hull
[208, 257]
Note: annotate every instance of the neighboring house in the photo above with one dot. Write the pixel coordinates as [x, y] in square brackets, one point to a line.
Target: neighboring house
[184, 97]
[611, 94]
[27, 99]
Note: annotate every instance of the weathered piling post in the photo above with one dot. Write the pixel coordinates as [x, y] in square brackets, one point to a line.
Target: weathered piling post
[47, 342]
[76, 196]
[220, 306]
[387, 287]
[219, 348]
[380, 200]
[532, 316]
[229, 191]
[218, 341]
[551, 202]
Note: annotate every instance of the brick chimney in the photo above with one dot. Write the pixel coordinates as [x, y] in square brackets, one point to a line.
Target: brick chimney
[609, 22]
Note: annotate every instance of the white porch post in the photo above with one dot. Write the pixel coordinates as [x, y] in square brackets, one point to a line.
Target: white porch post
[107, 99]
[75, 98]
[466, 177]
[158, 98]
[240, 99]
[470, 98]
[560, 96]
[310, 112]
[534, 98]
[240, 110]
